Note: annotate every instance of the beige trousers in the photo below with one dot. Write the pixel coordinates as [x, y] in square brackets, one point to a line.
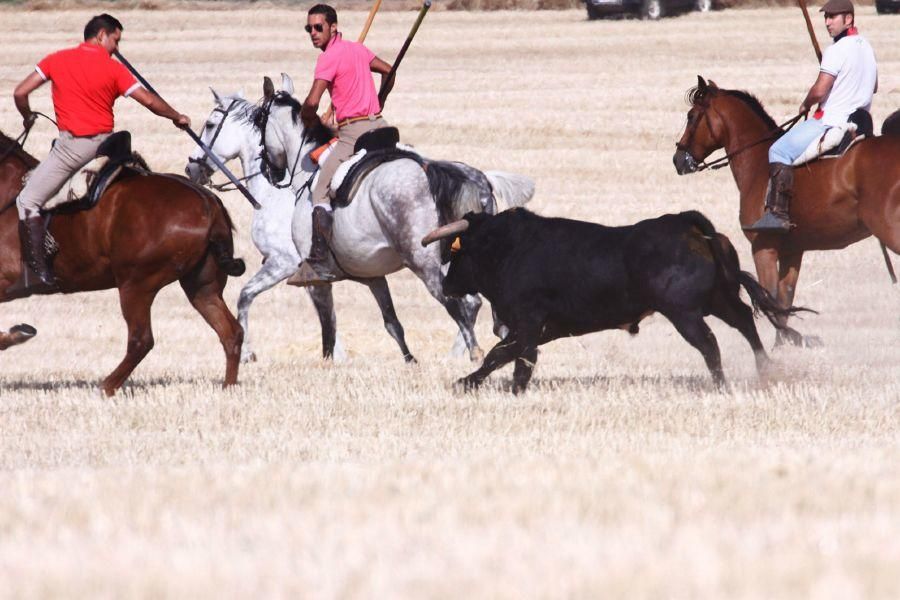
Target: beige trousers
[342, 150]
[68, 155]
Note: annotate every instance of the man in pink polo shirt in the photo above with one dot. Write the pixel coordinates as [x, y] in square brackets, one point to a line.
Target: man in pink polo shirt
[345, 70]
[86, 83]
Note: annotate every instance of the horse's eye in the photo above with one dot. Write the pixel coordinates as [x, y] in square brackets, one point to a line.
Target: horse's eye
[210, 125]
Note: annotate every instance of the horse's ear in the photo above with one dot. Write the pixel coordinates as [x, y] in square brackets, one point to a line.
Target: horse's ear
[216, 96]
[268, 88]
[712, 85]
[287, 84]
[701, 84]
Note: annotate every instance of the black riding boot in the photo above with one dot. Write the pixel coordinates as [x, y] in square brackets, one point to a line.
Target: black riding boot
[778, 201]
[36, 277]
[319, 267]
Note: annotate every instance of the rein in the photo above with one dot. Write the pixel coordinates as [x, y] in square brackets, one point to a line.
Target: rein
[19, 142]
[724, 161]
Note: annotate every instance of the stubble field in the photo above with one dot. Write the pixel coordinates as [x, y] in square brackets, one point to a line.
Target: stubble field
[621, 473]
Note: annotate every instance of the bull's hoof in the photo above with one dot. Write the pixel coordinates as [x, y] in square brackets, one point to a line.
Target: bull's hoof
[466, 384]
[24, 330]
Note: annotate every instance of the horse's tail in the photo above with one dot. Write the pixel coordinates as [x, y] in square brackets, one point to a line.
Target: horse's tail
[729, 269]
[457, 189]
[891, 125]
[221, 241]
[510, 189]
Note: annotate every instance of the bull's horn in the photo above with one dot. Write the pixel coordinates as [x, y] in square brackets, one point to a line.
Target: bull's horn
[440, 233]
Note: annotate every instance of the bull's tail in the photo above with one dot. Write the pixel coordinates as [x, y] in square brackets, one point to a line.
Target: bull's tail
[729, 269]
[221, 241]
[764, 303]
[510, 190]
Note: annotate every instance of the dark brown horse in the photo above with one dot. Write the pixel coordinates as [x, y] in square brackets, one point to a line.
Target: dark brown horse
[837, 202]
[147, 231]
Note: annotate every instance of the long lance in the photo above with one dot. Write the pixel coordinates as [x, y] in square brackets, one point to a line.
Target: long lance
[818, 51]
[389, 79]
[209, 153]
[362, 37]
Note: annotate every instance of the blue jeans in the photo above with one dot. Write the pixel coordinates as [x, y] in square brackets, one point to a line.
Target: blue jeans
[791, 145]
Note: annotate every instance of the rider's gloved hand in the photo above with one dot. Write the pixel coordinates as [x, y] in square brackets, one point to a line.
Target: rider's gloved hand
[28, 122]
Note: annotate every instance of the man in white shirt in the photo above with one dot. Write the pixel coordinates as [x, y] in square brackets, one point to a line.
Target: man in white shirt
[848, 78]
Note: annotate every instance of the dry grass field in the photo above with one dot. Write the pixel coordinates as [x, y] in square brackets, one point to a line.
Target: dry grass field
[620, 474]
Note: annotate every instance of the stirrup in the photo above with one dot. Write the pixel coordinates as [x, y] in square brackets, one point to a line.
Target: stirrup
[770, 223]
[308, 275]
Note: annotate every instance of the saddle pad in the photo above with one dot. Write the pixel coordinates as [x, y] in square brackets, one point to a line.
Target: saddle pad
[830, 140]
[360, 165]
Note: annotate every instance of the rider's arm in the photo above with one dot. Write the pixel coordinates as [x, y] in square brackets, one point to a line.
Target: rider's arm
[308, 113]
[379, 66]
[818, 92]
[160, 107]
[20, 95]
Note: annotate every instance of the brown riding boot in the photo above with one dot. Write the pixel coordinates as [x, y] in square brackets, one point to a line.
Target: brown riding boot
[320, 267]
[778, 201]
[36, 278]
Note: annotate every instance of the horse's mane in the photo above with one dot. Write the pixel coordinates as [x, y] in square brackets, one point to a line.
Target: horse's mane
[695, 95]
[7, 142]
[320, 133]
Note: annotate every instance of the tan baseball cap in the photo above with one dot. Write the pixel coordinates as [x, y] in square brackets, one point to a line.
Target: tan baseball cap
[837, 7]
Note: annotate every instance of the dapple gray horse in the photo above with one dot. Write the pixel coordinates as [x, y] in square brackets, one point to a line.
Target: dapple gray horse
[229, 133]
[397, 204]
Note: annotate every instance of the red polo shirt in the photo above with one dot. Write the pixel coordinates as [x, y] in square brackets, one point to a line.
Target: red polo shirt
[86, 82]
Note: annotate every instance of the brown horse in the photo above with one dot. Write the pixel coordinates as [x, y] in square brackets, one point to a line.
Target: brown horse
[147, 231]
[837, 202]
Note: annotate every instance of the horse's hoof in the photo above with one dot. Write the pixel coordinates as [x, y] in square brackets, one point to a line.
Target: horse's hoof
[23, 329]
[477, 354]
[411, 360]
[248, 357]
[812, 341]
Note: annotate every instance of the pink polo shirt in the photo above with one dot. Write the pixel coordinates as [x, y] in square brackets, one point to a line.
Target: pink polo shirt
[346, 68]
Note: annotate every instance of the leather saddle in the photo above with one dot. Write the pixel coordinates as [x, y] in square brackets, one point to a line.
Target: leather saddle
[371, 150]
[120, 161]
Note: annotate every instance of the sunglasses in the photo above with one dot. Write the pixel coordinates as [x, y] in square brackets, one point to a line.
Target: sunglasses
[318, 27]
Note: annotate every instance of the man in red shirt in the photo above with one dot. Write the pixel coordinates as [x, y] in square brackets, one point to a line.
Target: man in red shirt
[345, 70]
[86, 83]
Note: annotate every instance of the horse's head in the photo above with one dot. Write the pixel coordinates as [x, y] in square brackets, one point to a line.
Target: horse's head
[221, 133]
[702, 134]
[285, 142]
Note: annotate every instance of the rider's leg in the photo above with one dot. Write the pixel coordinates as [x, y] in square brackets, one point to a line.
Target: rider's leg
[782, 155]
[320, 267]
[67, 156]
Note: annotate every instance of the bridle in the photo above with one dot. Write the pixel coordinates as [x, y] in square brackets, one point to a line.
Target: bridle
[268, 168]
[724, 161]
[212, 143]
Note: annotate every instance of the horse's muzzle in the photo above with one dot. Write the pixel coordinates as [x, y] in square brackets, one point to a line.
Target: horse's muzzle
[198, 171]
[684, 162]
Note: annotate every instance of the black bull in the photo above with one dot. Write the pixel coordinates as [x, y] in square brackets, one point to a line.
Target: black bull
[549, 278]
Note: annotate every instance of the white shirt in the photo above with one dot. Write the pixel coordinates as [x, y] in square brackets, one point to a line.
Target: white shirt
[851, 61]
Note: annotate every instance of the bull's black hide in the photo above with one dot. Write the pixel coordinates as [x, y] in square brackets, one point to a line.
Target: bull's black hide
[548, 278]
